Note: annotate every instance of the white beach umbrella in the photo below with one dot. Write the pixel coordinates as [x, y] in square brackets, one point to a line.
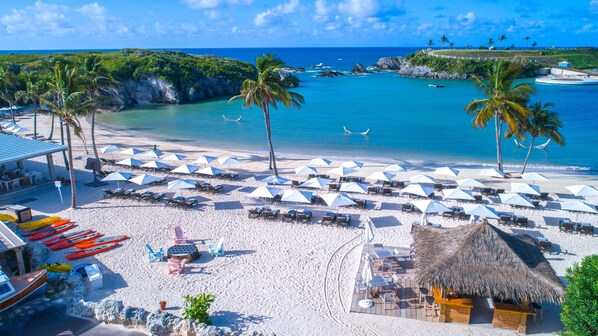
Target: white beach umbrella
[582, 190]
[457, 194]
[298, 196]
[446, 172]
[524, 188]
[6, 124]
[337, 200]
[306, 170]
[315, 182]
[11, 127]
[110, 149]
[352, 164]
[429, 207]
[534, 177]
[181, 184]
[117, 176]
[342, 171]
[470, 183]
[418, 189]
[155, 165]
[394, 168]
[381, 176]
[154, 154]
[481, 211]
[131, 162]
[320, 162]
[421, 179]
[19, 129]
[209, 170]
[205, 159]
[185, 169]
[492, 173]
[366, 273]
[228, 160]
[516, 199]
[275, 179]
[131, 151]
[369, 232]
[174, 157]
[265, 192]
[146, 179]
[354, 187]
[578, 206]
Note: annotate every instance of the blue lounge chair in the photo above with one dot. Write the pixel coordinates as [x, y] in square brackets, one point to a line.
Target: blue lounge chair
[153, 255]
[216, 249]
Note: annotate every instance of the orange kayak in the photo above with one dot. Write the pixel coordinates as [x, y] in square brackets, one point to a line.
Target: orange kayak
[52, 231]
[63, 237]
[72, 241]
[100, 241]
[90, 251]
[47, 227]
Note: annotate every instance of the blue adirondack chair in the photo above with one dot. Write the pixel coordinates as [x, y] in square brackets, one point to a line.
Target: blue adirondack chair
[216, 249]
[154, 255]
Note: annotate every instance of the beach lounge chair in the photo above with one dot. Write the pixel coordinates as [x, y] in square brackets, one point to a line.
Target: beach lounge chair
[118, 192]
[544, 196]
[372, 190]
[157, 197]
[147, 196]
[566, 225]
[328, 218]
[154, 255]
[176, 266]
[179, 236]
[295, 184]
[304, 216]
[499, 191]
[333, 186]
[487, 191]
[521, 221]
[277, 198]
[289, 216]
[438, 186]
[448, 214]
[463, 216]
[360, 203]
[190, 203]
[543, 244]
[478, 199]
[255, 212]
[216, 189]
[407, 208]
[586, 228]
[216, 249]
[343, 220]
[387, 191]
[270, 213]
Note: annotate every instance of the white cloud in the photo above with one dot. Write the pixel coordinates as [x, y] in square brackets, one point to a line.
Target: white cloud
[39, 19]
[92, 9]
[211, 4]
[288, 8]
[589, 28]
[466, 19]
[274, 15]
[360, 8]
[424, 26]
[594, 6]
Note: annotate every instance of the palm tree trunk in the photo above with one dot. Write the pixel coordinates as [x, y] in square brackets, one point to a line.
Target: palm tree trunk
[66, 161]
[498, 149]
[529, 152]
[12, 113]
[71, 168]
[93, 138]
[269, 135]
[34, 121]
[51, 128]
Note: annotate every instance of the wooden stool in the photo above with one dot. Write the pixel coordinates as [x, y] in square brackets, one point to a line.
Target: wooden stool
[423, 292]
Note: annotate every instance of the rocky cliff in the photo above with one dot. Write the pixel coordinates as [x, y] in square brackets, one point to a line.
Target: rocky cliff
[404, 68]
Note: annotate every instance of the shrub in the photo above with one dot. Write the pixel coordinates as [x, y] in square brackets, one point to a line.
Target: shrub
[196, 307]
[580, 307]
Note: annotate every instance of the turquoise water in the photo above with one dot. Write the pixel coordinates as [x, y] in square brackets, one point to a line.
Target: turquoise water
[407, 120]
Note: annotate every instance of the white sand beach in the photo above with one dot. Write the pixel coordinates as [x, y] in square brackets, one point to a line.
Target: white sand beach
[276, 277]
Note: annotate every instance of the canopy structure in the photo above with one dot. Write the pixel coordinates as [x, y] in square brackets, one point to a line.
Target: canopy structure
[480, 259]
[275, 179]
[458, 194]
[205, 159]
[418, 190]
[17, 149]
[185, 169]
[155, 165]
[298, 196]
[306, 170]
[342, 171]
[316, 182]
[146, 179]
[381, 176]
[354, 187]
[524, 188]
[266, 192]
[471, 183]
[152, 154]
[394, 168]
[320, 162]
[421, 179]
[352, 164]
[337, 200]
[582, 190]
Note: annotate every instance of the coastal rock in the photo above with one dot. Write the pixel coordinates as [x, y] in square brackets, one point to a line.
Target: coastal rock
[109, 311]
[134, 316]
[390, 63]
[359, 69]
[162, 324]
[329, 73]
[81, 308]
[38, 252]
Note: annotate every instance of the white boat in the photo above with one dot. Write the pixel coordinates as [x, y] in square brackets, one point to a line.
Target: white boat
[21, 288]
[567, 81]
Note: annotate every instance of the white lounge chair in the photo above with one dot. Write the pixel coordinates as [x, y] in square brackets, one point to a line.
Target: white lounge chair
[216, 249]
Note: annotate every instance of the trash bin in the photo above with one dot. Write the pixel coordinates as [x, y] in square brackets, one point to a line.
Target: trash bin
[21, 213]
[95, 277]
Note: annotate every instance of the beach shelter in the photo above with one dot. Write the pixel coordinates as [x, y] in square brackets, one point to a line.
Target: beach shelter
[429, 207]
[354, 187]
[479, 210]
[131, 162]
[275, 179]
[306, 170]
[155, 165]
[228, 161]
[337, 200]
[146, 179]
[181, 184]
[394, 168]
[265, 192]
[205, 159]
[211, 171]
[524, 188]
[117, 176]
[298, 196]
[342, 171]
[534, 177]
[446, 172]
[470, 183]
[458, 194]
[316, 182]
[352, 164]
[492, 173]
[174, 157]
[131, 151]
[582, 190]
[154, 154]
[110, 149]
[418, 190]
[578, 206]
[320, 162]
[516, 200]
[421, 179]
[185, 169]
[381, 176]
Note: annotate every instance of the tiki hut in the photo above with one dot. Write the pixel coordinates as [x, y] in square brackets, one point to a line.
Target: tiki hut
[482, 260]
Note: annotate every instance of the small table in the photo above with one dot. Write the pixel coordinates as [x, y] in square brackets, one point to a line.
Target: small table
[382, 254]
[183, 251]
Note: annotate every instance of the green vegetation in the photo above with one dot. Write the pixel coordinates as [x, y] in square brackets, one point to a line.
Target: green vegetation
[196, 307]
[580, 308]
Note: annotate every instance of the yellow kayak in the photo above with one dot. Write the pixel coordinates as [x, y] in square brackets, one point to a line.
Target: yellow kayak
[9, 218]
[39, 223]
[57, 267]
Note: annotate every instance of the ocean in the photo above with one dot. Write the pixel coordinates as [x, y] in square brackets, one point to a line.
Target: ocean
[407, 119]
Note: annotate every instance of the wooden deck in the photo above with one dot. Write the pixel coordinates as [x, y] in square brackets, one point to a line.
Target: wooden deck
[406, 303]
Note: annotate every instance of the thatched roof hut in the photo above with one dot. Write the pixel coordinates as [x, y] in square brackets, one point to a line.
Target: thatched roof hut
[480, 259]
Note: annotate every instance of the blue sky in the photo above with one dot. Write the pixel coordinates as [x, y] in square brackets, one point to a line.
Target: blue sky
[106, 24]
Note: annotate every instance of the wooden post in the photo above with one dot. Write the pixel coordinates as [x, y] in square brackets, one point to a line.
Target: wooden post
[50, 166]
[20, 261]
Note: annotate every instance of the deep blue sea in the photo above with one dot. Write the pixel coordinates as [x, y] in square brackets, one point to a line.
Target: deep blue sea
[408, 120]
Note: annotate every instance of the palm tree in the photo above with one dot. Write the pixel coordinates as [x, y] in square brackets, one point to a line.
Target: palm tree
[541, 123]
[527, 38]
[66, 99]
[33, 90]
[430, 43]
[490, 42]
[443, 40]
[502, 38]
[505, 101]
[8, 84]
[266, 91]
[534, 44]
[451, 44]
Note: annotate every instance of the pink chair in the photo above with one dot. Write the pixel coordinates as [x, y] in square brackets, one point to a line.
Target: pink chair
[176, 266]
[179, 236]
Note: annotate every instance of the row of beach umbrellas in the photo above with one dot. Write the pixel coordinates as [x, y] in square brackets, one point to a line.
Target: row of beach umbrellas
[156, 154]
[12, 127]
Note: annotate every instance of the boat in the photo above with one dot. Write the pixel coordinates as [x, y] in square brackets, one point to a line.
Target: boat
[436, 85]
[227, 119]
[91, 251]
[46, 228]
[52, 231]
[101, 241]
[80, 269]
[65, 236]
[39, 223]
[362, 133]
[21, 288]
[72, 241]
[567, 80]
[57, 267]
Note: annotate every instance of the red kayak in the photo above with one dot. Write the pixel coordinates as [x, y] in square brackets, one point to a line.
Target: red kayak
[72, 241]
[91, 251]
[46, 228]
[52, 231]
[60, 238]
[100, 241]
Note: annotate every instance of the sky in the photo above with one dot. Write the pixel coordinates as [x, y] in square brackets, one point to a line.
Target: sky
[114, 24]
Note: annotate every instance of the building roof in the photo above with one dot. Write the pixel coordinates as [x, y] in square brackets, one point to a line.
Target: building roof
[14, 148]
[8, 239]
[480, 259]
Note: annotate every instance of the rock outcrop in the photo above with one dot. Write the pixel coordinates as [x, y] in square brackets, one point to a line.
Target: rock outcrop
[359, 69]
[389, 63]
[330, 73]
[404, 68]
